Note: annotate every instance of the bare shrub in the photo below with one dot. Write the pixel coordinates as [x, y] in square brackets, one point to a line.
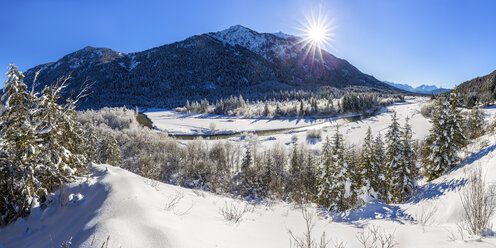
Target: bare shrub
[307, 240]
[427, 110]
[314, 133]
[67, 243]
[479, 205]
[234, 212]
[183, 211]
[152, 183]
[199, 192]
[459, 234]
[173, 200]
[373, 237]
[425, 215]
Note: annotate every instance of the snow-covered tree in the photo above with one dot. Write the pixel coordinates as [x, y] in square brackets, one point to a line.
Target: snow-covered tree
[109, 152]
[393, 155]
[371, 168]
[41, 143]
[19, 185]
[446, 136]
[380, 156]
[340, 191]
[475, 123]
[407, 172]
[324, 183]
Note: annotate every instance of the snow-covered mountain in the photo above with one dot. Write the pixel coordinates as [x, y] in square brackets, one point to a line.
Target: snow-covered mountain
[234, 61]
[481, 89]
[423, 89]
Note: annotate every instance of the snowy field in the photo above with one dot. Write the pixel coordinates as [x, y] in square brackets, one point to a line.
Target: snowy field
[353, 131]
[292, 129]
[132, 211]
[176, 123]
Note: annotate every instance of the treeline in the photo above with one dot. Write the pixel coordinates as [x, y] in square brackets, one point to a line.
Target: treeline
[42, 146]
[338, 177]
[296, 104]
[480, 90]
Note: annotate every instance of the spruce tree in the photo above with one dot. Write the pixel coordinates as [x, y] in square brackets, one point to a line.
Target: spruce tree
[352, 157]
[340, 189]
[446, 136]
[324, 182]
[475, 123]
[109, 151]
[19, 183]
[42, 145]
[455, 121]
[296, 186]
[370, 168]
[407, 171]
[379, 159]
[393, 156]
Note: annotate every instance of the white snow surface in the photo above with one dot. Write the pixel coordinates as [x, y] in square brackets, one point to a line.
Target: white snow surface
[130, 210]
[353, 131]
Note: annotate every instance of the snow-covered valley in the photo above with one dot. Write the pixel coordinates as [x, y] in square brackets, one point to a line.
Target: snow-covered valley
[352, 130]
[120, 209]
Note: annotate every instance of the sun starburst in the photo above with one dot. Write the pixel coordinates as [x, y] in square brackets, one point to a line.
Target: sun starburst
[317, 33]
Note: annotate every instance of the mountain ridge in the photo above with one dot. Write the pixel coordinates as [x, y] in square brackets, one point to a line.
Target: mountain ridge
[213, 65]
[422, 89]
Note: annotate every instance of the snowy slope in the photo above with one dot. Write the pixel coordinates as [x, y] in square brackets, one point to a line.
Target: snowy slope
[130, 210]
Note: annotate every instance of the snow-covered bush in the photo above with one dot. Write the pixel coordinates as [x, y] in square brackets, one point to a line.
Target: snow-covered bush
[234, 212]
[42, 145]
[314, 134]
[427, 110]
[374, 237]
[307, 239]
[479, 204]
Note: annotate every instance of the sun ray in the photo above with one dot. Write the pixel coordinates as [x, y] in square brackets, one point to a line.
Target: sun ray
[317, 32]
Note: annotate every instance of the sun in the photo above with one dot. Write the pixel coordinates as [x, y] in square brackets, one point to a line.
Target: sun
[317, 33]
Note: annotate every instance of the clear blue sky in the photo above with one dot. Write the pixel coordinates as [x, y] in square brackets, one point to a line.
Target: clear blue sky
[442, 42]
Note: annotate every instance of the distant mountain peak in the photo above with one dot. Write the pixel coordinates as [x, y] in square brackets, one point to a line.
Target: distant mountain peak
[423, 89]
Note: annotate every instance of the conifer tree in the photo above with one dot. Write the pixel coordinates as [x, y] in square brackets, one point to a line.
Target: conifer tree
[109, 151]
[379, 158]
[455, 121]
[446, 136]
[370, 168]
[324, 183]
[355, 178]
[340, 189]
[296, 184]
[475, 123]
[393, 155]
[42, 145]
[19, 183]
[407, 171]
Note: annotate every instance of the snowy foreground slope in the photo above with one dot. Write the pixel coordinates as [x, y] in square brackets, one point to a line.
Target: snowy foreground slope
[131, 211]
